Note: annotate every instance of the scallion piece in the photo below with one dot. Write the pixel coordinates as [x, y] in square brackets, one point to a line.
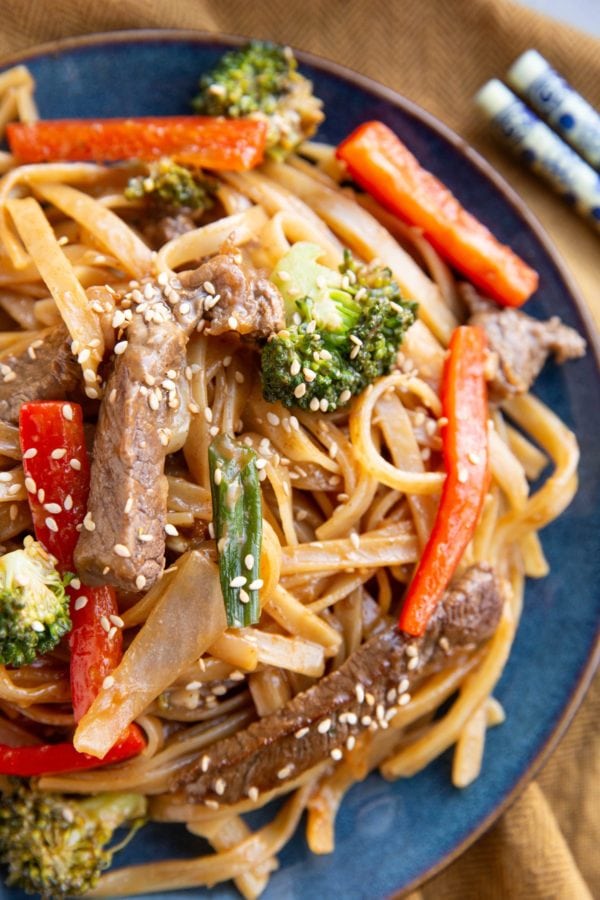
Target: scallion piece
[237, 520]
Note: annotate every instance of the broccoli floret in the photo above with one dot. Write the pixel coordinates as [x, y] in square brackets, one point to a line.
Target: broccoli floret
[55, 846]
[167, 184]
[34, 607]
[344, 330]
[261, 81]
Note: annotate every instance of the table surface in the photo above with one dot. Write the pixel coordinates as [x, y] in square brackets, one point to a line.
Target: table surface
[583, 14]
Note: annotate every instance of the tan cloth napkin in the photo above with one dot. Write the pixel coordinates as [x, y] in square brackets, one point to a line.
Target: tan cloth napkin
[437, 52]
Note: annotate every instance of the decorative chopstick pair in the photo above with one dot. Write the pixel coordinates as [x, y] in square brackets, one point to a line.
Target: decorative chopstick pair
[539, 147]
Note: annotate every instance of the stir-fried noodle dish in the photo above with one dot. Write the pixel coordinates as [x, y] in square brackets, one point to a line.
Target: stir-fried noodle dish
[266, 441]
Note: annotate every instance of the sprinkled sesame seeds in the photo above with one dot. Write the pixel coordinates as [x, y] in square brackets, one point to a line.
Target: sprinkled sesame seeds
[261, 463]
[463, 475]
[117, 621]
[300, 390]
[88, 522]
[403, 699]
[51, 524]
[53, 508]
[219, 786]
[128, 506]
[244, 596]
[360, 693]
[403, 685]
[171, 530]
[285, 772]
[29, 454]
[295, 367]
[314, 404]
[370, 699]
[218, 477]
[212, 804]
[411, 650]
[75, 464]
[41, 495]
[140, 582]
[205, 761]
[302, 732]
[105, 623]
[37, 626]
[309, 374]
[122, 551]
[58, 453]
[108, 682]
[249, 561]
[209, 287]
[351, 742]
[238, 581]
[256, 585]
[412, 663]
[232, 323]
[30, 485]
[345, 396]
[81, 602]
[253, 793]
[324, 726]
[336, 754]
[273, 418]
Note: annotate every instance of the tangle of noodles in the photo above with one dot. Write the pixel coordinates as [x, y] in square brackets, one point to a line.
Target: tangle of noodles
[351, 497]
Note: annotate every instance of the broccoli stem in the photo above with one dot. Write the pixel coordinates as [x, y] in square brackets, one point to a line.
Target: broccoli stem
[237, 520]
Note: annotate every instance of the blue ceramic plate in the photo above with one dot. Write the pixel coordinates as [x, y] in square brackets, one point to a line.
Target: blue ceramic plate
[390, 837]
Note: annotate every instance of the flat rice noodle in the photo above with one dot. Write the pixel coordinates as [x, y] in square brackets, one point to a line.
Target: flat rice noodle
[181, 626]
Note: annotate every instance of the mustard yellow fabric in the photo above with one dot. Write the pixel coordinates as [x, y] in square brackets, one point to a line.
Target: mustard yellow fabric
[436, 52]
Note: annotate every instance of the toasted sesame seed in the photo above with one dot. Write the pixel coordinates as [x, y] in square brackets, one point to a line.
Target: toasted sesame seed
[412, 663]
[75, 464]
[261, 464]
[68, 502]
[391, 695]
[403, 699]
[273, 418]
[238, 581]
[380, 711]
[403, 685]
[351, 742]
[253, 794]
[411, 650]
[336, 754]
[463, 475]
[53, 508]
[295, 367]
[122, 550]
[360, 692]
[219, 786]
[81, 602]
[41, 495]
[144, 538]
[324, 726]
[370, 699]
[444, 643]
[6, 476]
[58, 453]
[117, 621]
[309, 374]
[105, 623]
[15, 488]
[314, 404]
[300, 390]
[112, 632]
[75, 583]
[140, 582]
[37, 626]
[366, 721]
[128, 506]
[324, 404]
[474, 458]
[106, 569]
[218, 477]
[88, 522]
[209, 287]
[232, 322]
[345, 396]
[239, 377]
[212, 804]
[171, 530]
[29, 454]
[51, 524]
[256, 585]
[249, 561]
[108, 682]
[244, 596]
[302, 732]
[285, 772]
[205, 763]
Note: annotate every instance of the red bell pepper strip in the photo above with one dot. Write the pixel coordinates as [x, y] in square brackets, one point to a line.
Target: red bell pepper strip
[204, 141]
[466, 458]
[52, 759]
[57, 476]
[379, 162]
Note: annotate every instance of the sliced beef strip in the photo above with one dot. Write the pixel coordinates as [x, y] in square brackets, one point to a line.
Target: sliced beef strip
[50, 372]
[248, 303]
[359, 695]
[128, 490]
[130, 445]
[521, 345]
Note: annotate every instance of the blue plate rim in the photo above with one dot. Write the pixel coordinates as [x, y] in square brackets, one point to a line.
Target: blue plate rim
[592, 334]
